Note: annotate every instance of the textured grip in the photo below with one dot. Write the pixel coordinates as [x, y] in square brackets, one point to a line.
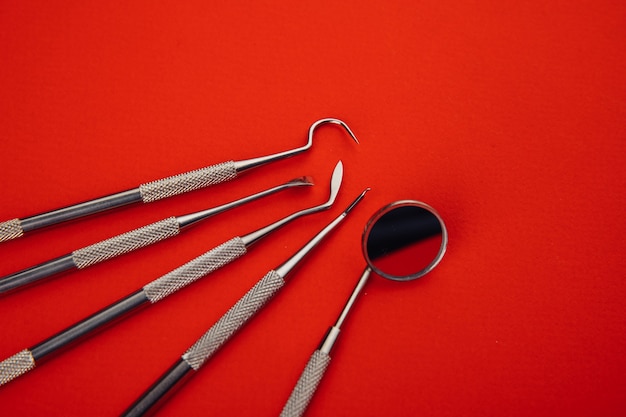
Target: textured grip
[10, 229]
[307, 384]
[124, 243]
[195, 269]
[189, 181]
[234, 319]
[16, 365]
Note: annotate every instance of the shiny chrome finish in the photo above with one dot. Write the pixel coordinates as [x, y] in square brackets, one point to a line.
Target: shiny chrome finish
[247, 164]
[164, 286]
[292, 262]
[227, 326]
[191, 219]
[129, 241]
[405, 234]
[335, 184]
[358, 289]
[156, 190]
[80, 210]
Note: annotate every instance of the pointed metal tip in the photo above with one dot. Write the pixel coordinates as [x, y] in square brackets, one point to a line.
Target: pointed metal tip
[345, 126]
[351, 133]
[356, 201]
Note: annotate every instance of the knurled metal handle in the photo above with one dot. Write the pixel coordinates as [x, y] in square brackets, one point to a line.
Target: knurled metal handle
[195, 269]
[234, 319]
[16, 365]
[124, 243]
[11, 229]
[189, 181]
[307, 384]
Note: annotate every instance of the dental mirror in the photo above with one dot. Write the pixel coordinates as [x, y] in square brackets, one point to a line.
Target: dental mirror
[402, 241]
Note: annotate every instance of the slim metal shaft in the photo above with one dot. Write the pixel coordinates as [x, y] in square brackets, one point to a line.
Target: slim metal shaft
[332, 334]
[161, 389]
[129, 241]
[156, 190]
[82, 328]
[358, 289]
[292, 262]
[230, 323]
[35, 273]
[80, 210]
[187, 220]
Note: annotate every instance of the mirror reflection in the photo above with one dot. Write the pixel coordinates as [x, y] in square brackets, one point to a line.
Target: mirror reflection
[404, 240]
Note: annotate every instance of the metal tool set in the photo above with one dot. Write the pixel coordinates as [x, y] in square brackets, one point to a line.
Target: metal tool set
[420, 220]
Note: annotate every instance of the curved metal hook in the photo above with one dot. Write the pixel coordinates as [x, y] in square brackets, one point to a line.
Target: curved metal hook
[247, 164]
[324, 121]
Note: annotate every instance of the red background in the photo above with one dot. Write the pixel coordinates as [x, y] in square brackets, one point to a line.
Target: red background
[508, 118]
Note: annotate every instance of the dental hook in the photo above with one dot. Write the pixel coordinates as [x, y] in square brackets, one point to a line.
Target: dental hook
[156, 190]
[244, 165]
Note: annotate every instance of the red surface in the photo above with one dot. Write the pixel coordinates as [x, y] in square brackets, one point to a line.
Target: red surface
[507, 118]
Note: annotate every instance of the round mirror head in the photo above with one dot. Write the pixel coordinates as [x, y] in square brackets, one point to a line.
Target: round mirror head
[404, 240]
